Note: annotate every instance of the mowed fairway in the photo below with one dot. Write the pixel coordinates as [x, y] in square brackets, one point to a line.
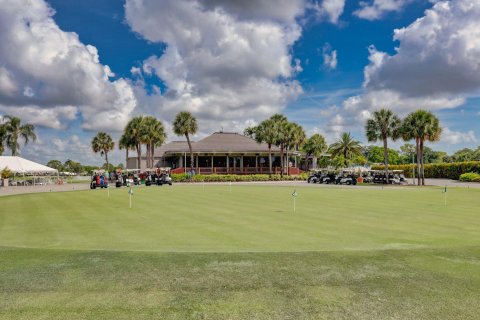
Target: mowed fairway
[194, 252]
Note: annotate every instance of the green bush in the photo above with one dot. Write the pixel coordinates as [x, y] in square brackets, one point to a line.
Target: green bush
[438, 170]
[6, 173]
[235, 178]
[470, 177]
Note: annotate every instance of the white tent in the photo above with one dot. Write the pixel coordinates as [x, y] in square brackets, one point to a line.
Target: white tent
[20, 165]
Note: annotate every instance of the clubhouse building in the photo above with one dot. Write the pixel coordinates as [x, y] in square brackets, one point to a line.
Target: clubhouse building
[221, 153]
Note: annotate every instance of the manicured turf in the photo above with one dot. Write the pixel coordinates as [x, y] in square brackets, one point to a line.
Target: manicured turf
[207, 252]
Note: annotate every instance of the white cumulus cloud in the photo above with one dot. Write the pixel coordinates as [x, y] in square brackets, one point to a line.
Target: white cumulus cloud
[225, 61]
[456, 137]
[329, 57]
[47, 71]
[376, 9]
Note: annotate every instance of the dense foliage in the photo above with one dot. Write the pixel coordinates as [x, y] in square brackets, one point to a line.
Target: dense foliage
[439, 170]
[235, 178]
[470, 177]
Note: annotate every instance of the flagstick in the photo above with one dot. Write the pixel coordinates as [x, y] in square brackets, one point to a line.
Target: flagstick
[130, 201]
[294, 204]
[445, 198]
[108, 192]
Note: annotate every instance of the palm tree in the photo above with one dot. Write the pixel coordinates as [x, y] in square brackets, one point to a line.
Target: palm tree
[103, 143]
[126, 143]
[265, 132]
[185, 124]
[295, 138]
[153, 134]
[133, 132]
[384, 124]
[347, 147]
[315, 146]
[3, 133]
[281, 125]
[421, 125]
[14, 130]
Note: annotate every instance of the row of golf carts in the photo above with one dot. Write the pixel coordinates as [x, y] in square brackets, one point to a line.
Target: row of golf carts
[157, 176]
[352, 177]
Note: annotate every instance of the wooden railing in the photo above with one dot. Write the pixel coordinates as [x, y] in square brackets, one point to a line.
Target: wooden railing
[246, 170]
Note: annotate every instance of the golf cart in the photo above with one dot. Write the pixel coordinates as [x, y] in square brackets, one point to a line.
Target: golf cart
[397, 177]
[98, 180]
[346, 176]
[314, 176]
[163, 177]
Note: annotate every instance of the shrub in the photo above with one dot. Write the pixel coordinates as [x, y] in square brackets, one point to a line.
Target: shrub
[470, 177]
[182, 177]
[438, 170]
[6, 173]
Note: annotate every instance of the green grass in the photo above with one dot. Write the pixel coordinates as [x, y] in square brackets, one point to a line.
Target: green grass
[194, 252]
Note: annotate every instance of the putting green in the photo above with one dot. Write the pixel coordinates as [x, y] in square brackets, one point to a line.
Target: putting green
[215, 218]
[194, 252]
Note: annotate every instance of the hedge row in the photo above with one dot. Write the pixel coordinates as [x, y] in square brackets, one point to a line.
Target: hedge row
[438, 170]
[235, 178]
[470, 177]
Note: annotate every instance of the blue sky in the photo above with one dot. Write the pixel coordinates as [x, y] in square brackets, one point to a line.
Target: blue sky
[325, 64]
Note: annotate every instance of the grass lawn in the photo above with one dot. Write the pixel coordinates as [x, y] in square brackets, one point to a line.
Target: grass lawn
[193, 252]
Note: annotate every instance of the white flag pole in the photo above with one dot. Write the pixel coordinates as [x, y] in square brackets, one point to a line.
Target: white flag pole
[130, 201]
[294, 195]
[445, 194]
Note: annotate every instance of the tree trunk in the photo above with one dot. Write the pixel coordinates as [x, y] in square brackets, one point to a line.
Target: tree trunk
[106, 159]
[191, 151]
[418, 160]
[422, 163]
[153, 155]
[287, 165]
[139, 155]
[385, 158]
[270, 159]
[126, 158]
[281, 160]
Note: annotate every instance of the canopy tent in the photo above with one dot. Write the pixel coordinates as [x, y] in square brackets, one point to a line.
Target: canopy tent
[20, 166]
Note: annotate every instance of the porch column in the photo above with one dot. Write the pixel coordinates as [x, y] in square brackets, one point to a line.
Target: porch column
[241, 163]
[212, 163]
[197, 162]
[181, 162]
[228, 163]
[256, 164]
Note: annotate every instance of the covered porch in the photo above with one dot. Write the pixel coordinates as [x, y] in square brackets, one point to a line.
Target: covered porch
[214, 163]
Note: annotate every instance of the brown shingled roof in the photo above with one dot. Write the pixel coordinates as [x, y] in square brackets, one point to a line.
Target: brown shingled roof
[218, 142]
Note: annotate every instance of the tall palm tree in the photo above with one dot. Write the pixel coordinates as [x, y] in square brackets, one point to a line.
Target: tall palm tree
[384, 124]
[14, 130]
[315, 146]
[126, 143]
[103, 143]
[153, 135]
[3, 133]
[281, 125]
[185, 124]
[347, 147]
[134, 132]
[294, 139]
[266, 132]
[421, 126]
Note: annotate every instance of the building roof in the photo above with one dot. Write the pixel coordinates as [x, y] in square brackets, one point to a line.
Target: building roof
[218, 142]
[20, 165]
